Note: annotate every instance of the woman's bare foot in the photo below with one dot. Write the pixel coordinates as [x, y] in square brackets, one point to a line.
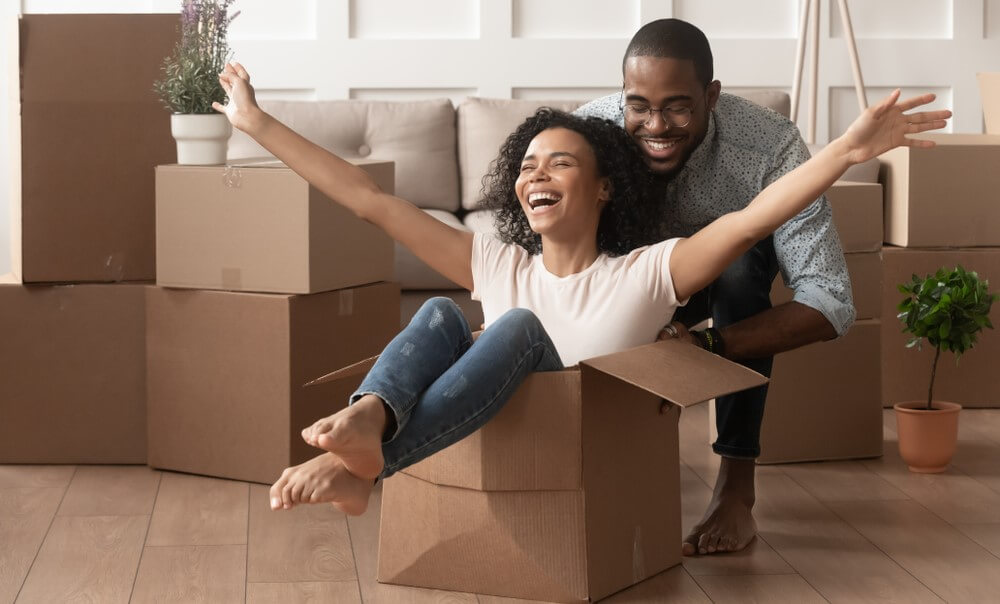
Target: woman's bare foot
[728, 525]
[322, 479]
[354, 435]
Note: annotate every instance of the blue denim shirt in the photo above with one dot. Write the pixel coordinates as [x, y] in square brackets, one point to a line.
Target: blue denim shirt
[746, 148]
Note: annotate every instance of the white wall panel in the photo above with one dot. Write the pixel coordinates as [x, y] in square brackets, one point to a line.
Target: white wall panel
[991, 19]
[563, 94]
[8, 9]
[561, 19]
[741, 19]
[286, 94]
[403, 94]
[257, 21]
[410, 20]
[844, 103]
[906, 19]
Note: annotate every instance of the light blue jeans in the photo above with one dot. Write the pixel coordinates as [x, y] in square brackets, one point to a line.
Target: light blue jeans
[441, 386]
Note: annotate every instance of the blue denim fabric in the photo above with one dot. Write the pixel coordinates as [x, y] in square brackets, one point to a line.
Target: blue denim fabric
[441, 386]
[742, 291]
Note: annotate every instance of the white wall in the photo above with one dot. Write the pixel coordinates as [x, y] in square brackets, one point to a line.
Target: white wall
[398, 49]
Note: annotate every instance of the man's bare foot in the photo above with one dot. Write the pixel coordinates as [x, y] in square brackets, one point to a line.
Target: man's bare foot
[728, 525]
[354, 435]
[322, 479]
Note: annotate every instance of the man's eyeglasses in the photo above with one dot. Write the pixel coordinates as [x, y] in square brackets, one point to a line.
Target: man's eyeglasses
[640, 114]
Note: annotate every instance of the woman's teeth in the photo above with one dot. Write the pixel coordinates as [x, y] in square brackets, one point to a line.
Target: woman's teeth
[542, 199]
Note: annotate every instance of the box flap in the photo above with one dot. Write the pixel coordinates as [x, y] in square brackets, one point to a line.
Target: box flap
[355, 369]
[989, 92]
[677, 371]
[948, 139]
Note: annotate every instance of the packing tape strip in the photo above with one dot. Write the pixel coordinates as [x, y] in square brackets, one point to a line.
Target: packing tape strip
[346, 302]
[232, 177]
[638, 558]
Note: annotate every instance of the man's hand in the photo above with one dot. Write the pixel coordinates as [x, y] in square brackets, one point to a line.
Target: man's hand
[676, 331]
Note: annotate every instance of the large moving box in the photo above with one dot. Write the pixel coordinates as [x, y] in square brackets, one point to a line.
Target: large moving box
[569, 493]
[72, 373]
[225, 373]
[824, 401]
[86, 131]
[989, 92]
[973, 381]
[258, 226]
[857, 214]
[947, 196]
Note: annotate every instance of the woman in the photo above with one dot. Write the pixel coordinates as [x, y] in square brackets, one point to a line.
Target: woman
[565, 284]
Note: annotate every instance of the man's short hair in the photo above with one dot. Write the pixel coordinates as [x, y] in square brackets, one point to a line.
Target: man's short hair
[675, 39]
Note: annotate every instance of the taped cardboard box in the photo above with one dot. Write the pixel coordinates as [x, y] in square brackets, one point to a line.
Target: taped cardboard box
[570, 493]
[258, 226]
[865, 271]
[946, 196]
[972, 382]
[72, 373]
[86, 132]
[225, 373]
[989, 92]
[857, 214]
[824, 401]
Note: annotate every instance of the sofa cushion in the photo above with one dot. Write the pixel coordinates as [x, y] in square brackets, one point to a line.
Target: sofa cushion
[483, 126]
[419, 136]
[412, 273]
[772, 99]
[480, 221]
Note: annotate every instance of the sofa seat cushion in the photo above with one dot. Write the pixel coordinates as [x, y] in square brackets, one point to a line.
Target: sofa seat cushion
[413, 273]
[480, 221]
[419, 136]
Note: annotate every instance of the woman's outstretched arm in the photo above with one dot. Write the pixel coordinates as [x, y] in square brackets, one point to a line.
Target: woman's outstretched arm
[698, 260]
[446, 249]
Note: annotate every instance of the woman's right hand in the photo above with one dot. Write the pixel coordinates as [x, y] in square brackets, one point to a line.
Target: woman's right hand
[242, 109]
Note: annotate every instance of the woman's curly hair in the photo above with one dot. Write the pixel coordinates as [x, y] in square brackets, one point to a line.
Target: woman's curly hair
[631, 219]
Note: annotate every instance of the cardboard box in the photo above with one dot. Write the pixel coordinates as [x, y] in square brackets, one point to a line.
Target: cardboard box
[87, 131]
[989, 91]
[824, 401]
[906, 371]
[857, 214]
[72, 373]
[570, 493]
[946, 196]
[258, 226]
[225, 373]
[865, 271]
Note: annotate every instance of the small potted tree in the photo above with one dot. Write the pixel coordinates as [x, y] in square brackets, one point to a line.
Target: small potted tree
[948, 308]
[190, 83]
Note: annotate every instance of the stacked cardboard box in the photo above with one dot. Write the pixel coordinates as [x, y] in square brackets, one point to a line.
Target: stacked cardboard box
[942, 210]
[824, 401]
[86, 133]
[569, 494]
[280, 285]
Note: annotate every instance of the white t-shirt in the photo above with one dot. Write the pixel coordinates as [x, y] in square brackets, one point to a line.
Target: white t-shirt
[614, 304]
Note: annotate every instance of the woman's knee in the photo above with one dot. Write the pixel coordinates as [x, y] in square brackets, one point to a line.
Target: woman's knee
[519, 317]
[439, 311]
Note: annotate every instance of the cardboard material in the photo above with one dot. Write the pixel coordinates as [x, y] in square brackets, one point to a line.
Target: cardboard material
[906, 371]
[87, 131]
[72, 374]
[857, 214]
[865, 271]
[943, 196]
[824, 400]
[257, 226]
[226, 370]
[570, 493]
[989, 91]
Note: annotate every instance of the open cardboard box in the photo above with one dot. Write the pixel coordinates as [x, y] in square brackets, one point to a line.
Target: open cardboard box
[256, 226]
[989, 91]
[570, 494]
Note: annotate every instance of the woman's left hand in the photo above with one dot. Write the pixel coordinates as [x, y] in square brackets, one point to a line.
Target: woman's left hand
[884, 126]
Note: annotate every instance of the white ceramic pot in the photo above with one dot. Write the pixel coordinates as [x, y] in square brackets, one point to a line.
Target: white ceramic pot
[201, 139]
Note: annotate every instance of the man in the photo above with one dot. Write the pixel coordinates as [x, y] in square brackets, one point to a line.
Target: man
[715, 152]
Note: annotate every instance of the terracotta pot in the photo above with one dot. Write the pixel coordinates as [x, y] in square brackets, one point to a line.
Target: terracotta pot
[927, 439]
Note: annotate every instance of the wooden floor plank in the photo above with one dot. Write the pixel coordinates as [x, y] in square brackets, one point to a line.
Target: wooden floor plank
[830, 555]
[86, 559]
[209, 574]
[986, 535]
[25, 516]
[673, 585]
[24, 476]
[945, 560]
[194, 510]
[765, 589]
[842, 481]
[364, 538]
[111, 491]
[341, 592]
[308, 543]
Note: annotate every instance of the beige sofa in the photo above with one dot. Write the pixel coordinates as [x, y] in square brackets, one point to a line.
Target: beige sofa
[441, 154]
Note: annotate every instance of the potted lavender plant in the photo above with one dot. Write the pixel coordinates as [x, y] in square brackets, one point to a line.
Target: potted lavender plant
[190, 82]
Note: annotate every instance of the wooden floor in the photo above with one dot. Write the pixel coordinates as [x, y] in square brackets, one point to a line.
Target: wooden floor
[854, 531]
